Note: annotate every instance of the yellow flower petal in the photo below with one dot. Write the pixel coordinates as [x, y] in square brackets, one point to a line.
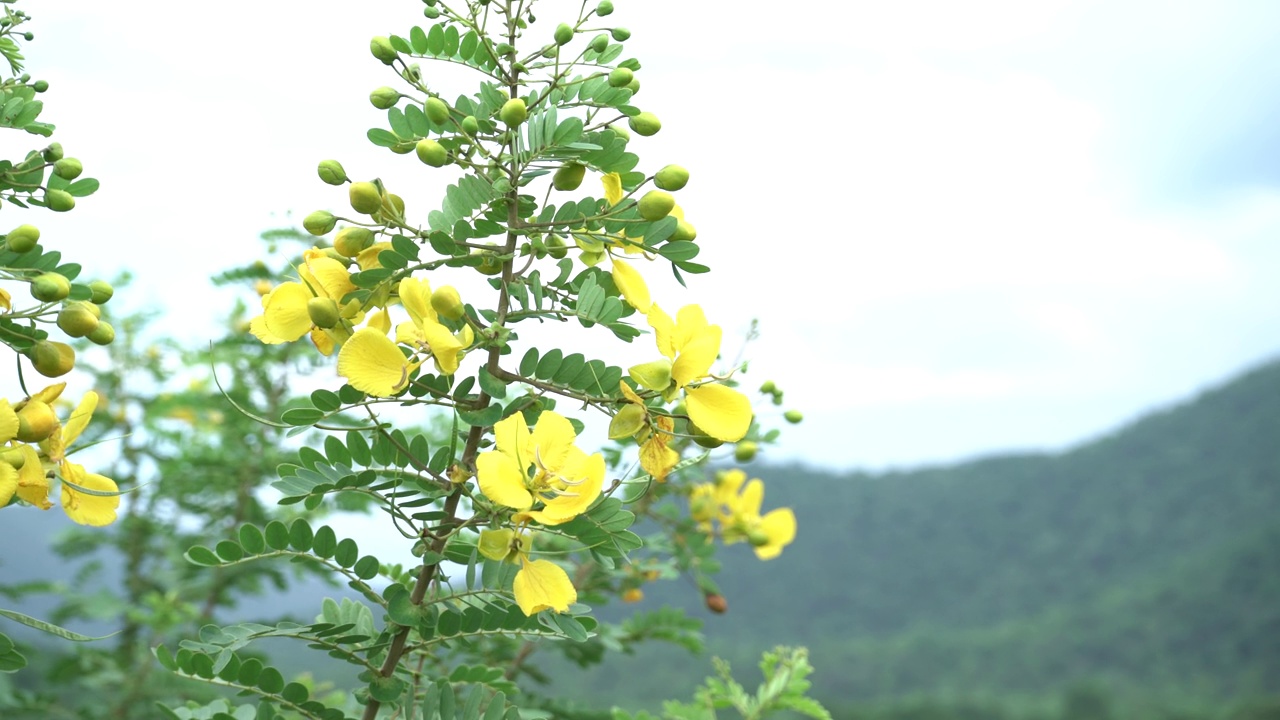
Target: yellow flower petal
[657, 459]
[33, 484]
[696, 356]
[285, 314]
[780, 526]
[88, 509]
[502, 481]
[690, 322]
[721, 412]
[50, 393]
[323, 340]
[380, 321]
[329, 278]
[629, 394]
[446, 350]
[551, 441]
[368, 258]
[8, 422]
[415, 295]
[511, 435]
[575, 499]
[6, 301]
[543, 585]
[612, 188]
[258, 326]
[748, 503]
[632, 286]
[79, 419]
[663, 330]
[373, 364]
[8, 483]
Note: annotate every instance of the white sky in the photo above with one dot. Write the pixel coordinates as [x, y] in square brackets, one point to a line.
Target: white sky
[964, 227]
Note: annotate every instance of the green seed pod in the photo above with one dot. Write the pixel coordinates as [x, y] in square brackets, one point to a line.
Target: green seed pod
[513, 112]
[40, 86]
[564, 34]
[351, 241]
[646, 124]
[793, 416]
[59, 200]
[53, 153]
[332, 172]
[77, 320]
[50, 287]
[604, 8]
[671, 177]
[437, 111]
[104, 334]
[22, 238]
[36, 421]
[446, 301]
[470, 125]
[620, 34]
[381, 49]
[684, 232]
[365, 197]
[323, 312]
[68, 168]
[52, 359]
[656, 205]
[620, 77]
[319, 222]
[556, 247]
[599, 43]
[384, 97]
[745, 451]
[102, 292]
[432, 153]
[569, 176]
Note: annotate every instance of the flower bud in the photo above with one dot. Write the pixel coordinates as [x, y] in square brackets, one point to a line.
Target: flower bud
[59, 200]
[446, 301]
[384, 97]
[620, 34]
[332, 172]
[13, 457]
[437, 111]
[381, 49]
[496, 544]
[77, 320]
[319, 222]
[40, 86]
[745, 451]
[432, 153]
[671, 177]
[365, 197]
[793, 416]
[22, 238]
[351, 241]
[716, 603]
[102, 292]
[431, 13]
[470, 125]
[36, 421]
[104, 334]
[53, 153]
[634, 85]
[556, 247]
[620, 77]
[757, 537]
[685, 232]
[599, 43]
[323, 312]
[646, 123]
[68, 168]
[769, 387]
[563, 34]
[702, 438]
[656, 205]
[513, 112]
[50, 287]
[52, 359]
[632, 595]
[569, 176]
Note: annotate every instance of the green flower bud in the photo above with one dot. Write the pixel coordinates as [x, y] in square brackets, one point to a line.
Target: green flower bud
[627, 422]
[569, 176]
[620, 77]
[604, 8]
[365, 197]
[384, 97]
[685, 232]
[504, 49]
[793, 416]
[703, 439]
[556, 247]
[431, 12]
[656, 205]
[36, 421]
[319, 222]
[59, 200]
[437, 111]
[634, 85]
[323, 312]
[621, 132]
[40, 86]
[104, 334]
[446, 301]
[646, 123]
[470, 125]
[671, 177]
[50, 287]
[102, 292]
[620, 34]
[53, 153]
[77, 320]
[599, 43]
[757, 537]
[68, 168]
[381, 49]
[332, 172]
[564, 34]
[403, 147]
[513, 112]
[22, 238]
[13, 457]
[745, 451]
[52, 359]
[351, 241]
[769, 387]
[432, 153]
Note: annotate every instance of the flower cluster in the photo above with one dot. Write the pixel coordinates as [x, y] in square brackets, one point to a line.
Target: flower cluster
[734, 503]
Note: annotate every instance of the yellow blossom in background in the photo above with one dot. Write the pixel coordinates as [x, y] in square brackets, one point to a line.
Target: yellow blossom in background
[741, 519]
[540, 466]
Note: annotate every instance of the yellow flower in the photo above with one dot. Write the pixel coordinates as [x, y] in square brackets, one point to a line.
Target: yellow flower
[543, 465]
[540, 584]
[287, 310]
[425, 332]
[767, 534]
[692, 345]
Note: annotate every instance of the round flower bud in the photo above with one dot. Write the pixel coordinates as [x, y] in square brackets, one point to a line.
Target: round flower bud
[36, 421]
[793, 416]
[621, 132]
[68, 168]
[52, 359]
[671, 177]
[431, 13]
[40, 86]
[59, 200]
[104, 334]
[564, 34]
[757, 537]
[22, 238]
[646, 123]
[769, 387]
[381, 49]
[77, 320]
[331, 172]
[634, 85]
[351, 241]
[392, 207]
[745, 451]
[599, 43]
[437, 111]
[470, 125]
[446, 301]
[702, 438]
[432, 153]
[13, 457]
[365, 197]
[384, 97]
[319, 222]
[513, 112]
[620, 77]
[656, 205]
[716, 603]
[632, 595]
[323, 312]
[569, 176]
[604, 8]
[620, 34]
[685, 232]
[53, 153]
[102, 292]
[489, 262]
[556, 247]
[50, 287]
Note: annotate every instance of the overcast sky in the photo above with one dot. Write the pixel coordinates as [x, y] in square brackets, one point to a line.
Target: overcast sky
[964, 227]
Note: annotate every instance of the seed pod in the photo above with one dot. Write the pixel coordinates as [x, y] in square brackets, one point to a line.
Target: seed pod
[656, 205]
[68, 168]
[52, 359]
[365, 197]
[446, 301]
[671, 177]
[59, 200]
[331, 172]
[351, 241]
[22, 238]
[437, 111]
[563, 34]
[432, 153]
[104, 334]
[77, 320]
[620, 77]
[36, 421]
[323, 312]
[381, 49]
[384, 97]
[320, 222]
[513, 112]
[102, 292]
[646, 123]
[569, 176]
[50, 287]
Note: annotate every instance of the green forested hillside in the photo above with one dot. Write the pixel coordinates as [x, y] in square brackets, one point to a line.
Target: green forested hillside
[1147, 560]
